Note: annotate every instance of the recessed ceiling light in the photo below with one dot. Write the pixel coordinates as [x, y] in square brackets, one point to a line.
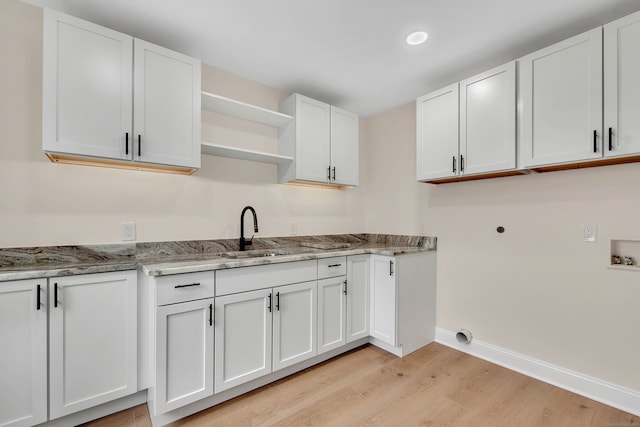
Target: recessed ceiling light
[417, 37]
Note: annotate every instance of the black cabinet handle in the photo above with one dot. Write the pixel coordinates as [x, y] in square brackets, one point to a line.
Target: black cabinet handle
[329, 173]
[186, 286]
[334, 265]
[269, 307]
[390, 268]
[38, 298]
[345, 287]
[595, 141]
[461, 163]
[610, 139]
[278, 301]
[139, 145]
[454, 164]
[55, 294]
[210, 314]
[126, 143]
[334, 173]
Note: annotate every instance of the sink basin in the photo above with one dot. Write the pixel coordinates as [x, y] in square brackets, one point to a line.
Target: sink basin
[260, 253]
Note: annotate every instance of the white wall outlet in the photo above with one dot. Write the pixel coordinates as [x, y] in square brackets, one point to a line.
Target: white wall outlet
[589, 232]
[128, 231]
[294, 228]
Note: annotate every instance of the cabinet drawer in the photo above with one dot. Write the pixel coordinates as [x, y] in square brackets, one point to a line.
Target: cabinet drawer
[243, 279]
[332, 267]
[184, 287]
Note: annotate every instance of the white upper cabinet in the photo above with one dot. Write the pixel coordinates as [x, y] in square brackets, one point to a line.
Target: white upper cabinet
[166, 116]
[622, 86]
[87, 88]
[323, 140]
[469, 127]
[488, 121]
[437, 134]
[561, 97]
[344, 147]
[108, 96]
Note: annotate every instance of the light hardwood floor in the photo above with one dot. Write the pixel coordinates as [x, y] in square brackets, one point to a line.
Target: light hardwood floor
[435, 386]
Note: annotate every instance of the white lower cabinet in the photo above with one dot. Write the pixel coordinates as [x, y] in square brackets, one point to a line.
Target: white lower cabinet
[243, 335]
[343, 301]
[92, 340]
[403, 292]
[383, 299]
[262, 331]
[332, 310]
[357, 291]
[23, 360]
[182, 308]
[184, 354]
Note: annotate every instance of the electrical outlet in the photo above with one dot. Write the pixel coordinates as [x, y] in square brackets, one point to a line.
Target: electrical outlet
[128, 231]
[589, 232]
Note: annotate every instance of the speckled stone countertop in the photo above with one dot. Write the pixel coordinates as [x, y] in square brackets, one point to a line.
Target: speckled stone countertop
[164, 258]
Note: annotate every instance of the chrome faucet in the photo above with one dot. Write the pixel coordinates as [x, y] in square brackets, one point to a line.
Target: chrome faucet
[244, 242]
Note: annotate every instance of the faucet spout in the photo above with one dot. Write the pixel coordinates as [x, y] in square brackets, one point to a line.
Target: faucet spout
[243, 242]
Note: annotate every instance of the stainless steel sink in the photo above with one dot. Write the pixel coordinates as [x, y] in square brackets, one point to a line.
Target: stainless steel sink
[259, 253]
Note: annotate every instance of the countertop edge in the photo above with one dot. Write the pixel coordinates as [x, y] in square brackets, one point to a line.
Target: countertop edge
[160, 268]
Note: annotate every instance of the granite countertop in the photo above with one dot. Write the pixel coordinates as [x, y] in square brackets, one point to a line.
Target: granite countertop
[165, 258]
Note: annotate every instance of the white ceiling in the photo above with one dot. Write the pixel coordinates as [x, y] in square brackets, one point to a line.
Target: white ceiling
[350, 53]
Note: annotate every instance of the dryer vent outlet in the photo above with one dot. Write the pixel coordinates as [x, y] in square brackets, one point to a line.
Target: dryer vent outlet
[464, 336]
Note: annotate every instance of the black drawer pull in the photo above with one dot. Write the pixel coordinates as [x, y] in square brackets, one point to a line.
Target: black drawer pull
[55, 294]
[38, 298]
[390, 268]
[186, 286]
[595, 141]
[139, 143]
[126, 143]
[278, 301]
[269, 307]
[345, 287]
[210, 314]
[334, 265]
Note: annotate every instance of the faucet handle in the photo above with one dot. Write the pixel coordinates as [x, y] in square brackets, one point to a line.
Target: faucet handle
[250, 241]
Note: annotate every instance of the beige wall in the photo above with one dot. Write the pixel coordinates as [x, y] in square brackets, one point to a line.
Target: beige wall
[49, 204]
[540, 291]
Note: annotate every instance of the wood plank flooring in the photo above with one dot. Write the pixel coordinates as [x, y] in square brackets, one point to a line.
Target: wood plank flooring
[435, 386]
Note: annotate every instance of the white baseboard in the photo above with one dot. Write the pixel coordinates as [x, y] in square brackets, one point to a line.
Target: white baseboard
[601, 391]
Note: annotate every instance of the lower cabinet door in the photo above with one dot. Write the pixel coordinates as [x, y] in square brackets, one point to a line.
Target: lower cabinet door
[294, 324]
[92, 340]
[183, 354]
[383, 299]
[357, 297]
[23, 358]
[331, 313]
[243, 334]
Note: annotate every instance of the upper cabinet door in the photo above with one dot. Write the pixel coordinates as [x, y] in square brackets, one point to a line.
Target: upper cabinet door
[437, 134]
[313, 121]
[344, 147]
[622, 86]
[561, 95]
[488, 121]
[87, 88]
[167, 106]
